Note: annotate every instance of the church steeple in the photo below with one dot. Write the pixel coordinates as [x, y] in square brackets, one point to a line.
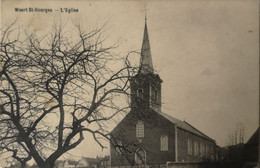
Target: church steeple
[146, 63]
[146, 85]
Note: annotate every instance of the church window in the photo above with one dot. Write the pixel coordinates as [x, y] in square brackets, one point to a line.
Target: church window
[189, 147]
[118, 147]
[212, 149]
[207, 149]
[196, 149]
[164, 143]
[140, 157]
[202, 149]
[140, 129]
[155, 95]
[140, 93]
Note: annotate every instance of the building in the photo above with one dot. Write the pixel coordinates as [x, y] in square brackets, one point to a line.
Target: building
[241, 154]
[66, 164]
[105, 162]
[146, 135]
[251, 150]
[86, 162]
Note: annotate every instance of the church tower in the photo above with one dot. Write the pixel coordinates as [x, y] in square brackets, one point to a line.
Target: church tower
[146, 85]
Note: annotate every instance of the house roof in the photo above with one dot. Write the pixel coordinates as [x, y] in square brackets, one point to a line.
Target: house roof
[106, 158]
[91, 160]
[185, 126]
[72, 162]
[254, 139]
[62, 163]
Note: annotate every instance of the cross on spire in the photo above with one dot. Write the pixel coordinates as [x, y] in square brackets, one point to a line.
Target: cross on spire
[145, 12]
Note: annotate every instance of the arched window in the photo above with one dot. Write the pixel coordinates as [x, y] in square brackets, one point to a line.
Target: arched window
[155, 95]
[196, 149]
[202, 149]
[140, 129]
[140, 93]
[212, 149]
[207, 149]
[164, 143]
[118, 147]
[150, 96]
[189, 147]
[140, 157]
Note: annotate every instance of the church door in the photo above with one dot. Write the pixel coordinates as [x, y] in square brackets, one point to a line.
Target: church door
[140, 157]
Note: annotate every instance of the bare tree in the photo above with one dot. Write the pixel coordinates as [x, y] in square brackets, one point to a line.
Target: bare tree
[55, 87]
[237, 136]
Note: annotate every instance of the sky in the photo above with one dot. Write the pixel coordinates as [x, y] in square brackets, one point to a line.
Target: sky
[205, 51]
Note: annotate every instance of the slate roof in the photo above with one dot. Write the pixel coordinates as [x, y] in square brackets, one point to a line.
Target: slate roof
[185, 126]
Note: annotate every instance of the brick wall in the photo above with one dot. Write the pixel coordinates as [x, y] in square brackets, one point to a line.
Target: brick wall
[183, 155]
[155, 127]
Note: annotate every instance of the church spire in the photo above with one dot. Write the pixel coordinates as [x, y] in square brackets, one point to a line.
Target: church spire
[146, 63]
[146, 85]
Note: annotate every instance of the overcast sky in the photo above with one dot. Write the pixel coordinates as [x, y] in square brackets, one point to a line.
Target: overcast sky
[205, 51]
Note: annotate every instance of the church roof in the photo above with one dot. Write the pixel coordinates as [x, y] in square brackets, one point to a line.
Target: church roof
[185, 126]
[146, 63]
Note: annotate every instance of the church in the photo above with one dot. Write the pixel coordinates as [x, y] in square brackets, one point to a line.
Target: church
[146, 135]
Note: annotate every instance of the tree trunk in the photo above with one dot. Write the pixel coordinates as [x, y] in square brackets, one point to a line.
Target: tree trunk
[23, 164]
[47, 165]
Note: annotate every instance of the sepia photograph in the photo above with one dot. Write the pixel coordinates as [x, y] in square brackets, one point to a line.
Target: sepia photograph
[129, 84]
